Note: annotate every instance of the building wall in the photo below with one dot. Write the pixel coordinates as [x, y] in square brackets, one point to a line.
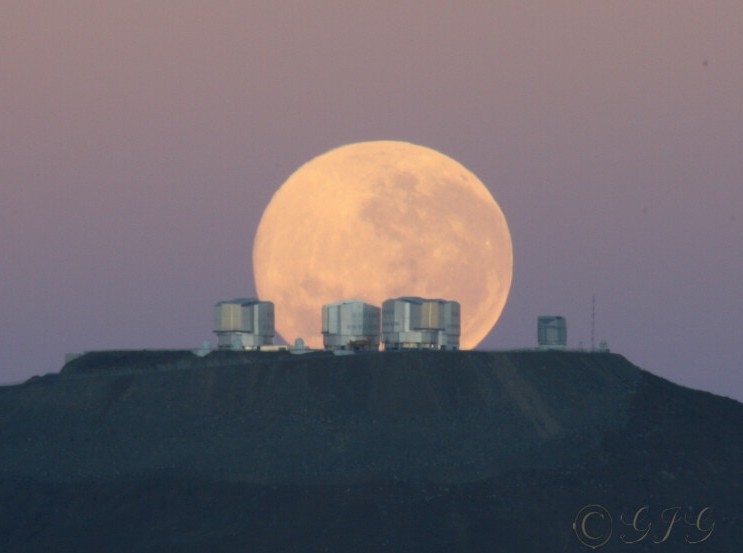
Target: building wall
[244, 323]
[228, 316]
[418, 323]
[350, 325]
[552, 332]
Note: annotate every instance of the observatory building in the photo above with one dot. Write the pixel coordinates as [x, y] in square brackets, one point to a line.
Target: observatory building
[244, 323]
[350, 325]
[552, 332]
[418, 323]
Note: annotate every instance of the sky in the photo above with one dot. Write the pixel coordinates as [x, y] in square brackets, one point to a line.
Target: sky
[141, 141]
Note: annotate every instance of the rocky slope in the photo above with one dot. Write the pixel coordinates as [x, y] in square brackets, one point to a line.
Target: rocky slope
[405, 451]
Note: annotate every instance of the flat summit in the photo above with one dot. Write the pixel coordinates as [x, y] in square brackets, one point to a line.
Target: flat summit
[395, 451]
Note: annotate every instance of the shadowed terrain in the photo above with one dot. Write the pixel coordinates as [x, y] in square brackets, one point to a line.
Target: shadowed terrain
[399, 451]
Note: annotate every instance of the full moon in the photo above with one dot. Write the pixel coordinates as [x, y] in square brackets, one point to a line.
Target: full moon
[377, 220]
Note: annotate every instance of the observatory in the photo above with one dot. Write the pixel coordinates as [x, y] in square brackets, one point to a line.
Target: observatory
[350, 325]
[244, 323]
[552, 332]
[418, 323]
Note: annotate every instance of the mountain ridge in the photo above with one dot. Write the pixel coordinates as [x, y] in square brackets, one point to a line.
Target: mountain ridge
[373, 433]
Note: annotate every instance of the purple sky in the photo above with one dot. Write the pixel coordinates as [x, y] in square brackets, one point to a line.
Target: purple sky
[142, 140]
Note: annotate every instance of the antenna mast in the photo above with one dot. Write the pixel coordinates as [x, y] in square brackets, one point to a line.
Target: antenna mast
[593, 322]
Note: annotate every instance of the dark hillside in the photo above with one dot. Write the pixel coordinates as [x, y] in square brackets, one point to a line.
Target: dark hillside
[406, 451]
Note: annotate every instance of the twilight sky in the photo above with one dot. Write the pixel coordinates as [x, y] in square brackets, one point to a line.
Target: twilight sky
[142, 140]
